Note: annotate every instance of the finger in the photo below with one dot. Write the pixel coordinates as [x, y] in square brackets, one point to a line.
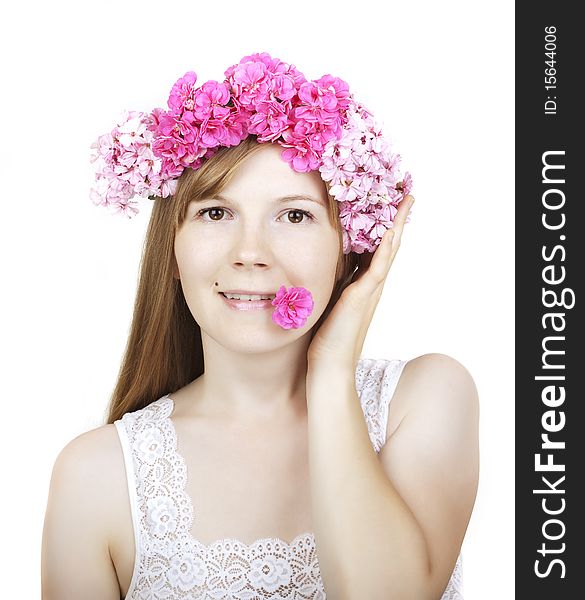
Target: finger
[382, 259]
[397, 226]
[394, 240]
[400, 219]
[364, 294]
[386, 252]
[372, 279]
[361, 291]
[403, 208]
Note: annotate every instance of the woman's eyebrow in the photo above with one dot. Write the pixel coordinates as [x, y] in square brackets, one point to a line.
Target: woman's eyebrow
[288, 198]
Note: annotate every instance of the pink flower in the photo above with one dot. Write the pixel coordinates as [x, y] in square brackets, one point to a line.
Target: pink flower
[301, 159]
[384, 219]
[318, 123]
[250, 82]
[181, 95]
[293, 307]
[405, 185]
[283, 87]
[210, 100]
[269, 121]
[339, 87]
[126, 165]
[354, 219]
[317, 104]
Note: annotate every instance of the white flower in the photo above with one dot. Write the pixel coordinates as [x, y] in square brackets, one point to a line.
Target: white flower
[186, 571]
[270, 572]
[161, 515]
[150, 444]
[132, 129]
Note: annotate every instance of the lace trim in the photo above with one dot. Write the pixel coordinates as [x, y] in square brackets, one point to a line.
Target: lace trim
[170, 563]
[173, 564]
[454, 589]
[376, 381]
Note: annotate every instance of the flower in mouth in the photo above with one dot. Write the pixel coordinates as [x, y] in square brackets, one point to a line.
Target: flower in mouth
[293, 307]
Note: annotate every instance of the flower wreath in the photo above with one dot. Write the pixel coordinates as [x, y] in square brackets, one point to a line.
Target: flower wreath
[318, 123]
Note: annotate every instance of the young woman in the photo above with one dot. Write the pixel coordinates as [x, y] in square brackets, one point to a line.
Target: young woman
[252, 456]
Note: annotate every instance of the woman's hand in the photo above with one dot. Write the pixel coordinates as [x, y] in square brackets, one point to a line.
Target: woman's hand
[340, 339]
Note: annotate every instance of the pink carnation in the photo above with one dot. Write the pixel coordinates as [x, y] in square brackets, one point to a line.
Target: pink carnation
[293, 307]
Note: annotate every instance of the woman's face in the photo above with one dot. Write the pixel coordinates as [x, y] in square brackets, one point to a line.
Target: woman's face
[252, 239]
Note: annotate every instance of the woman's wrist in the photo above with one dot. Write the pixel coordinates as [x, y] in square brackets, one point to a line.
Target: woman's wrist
[330, 379]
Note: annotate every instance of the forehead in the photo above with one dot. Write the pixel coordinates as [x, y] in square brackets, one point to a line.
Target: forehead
[267, 171]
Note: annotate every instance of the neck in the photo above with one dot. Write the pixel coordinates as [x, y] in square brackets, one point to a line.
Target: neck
[252, 387]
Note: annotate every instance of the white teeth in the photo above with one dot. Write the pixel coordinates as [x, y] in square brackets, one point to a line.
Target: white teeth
[246, 297]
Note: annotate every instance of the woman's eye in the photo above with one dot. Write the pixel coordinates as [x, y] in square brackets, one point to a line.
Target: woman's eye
[216, 214]
[299, 215]
[213, 213]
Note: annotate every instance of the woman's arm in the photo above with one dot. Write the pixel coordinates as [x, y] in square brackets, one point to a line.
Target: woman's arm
[391, 526]
[75, 557]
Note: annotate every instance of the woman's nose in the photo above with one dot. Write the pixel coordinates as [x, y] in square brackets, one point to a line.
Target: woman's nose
[251, 246]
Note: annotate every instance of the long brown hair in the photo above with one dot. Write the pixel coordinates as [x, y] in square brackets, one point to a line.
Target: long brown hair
[164, 351]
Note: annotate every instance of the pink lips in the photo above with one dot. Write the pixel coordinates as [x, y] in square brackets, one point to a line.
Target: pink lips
[247, 304]
[248, 292]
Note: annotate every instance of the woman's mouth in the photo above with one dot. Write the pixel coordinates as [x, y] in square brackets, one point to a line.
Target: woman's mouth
[247, 302]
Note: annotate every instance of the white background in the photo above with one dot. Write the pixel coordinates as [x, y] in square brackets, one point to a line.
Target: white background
[439, 75]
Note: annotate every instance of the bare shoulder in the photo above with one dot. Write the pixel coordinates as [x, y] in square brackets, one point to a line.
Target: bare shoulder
[100, 445]
[93, 464]
[437, 361]
[80, 516]
[435, 379]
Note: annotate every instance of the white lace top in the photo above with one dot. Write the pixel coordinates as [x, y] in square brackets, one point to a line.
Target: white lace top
[170, 564]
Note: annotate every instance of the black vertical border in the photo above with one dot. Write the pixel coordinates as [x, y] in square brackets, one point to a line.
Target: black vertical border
[537, 133]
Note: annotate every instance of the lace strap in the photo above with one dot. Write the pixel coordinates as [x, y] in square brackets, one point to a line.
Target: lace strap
[163, 510]
[376, 381]
[132, 491]
[390, 379]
